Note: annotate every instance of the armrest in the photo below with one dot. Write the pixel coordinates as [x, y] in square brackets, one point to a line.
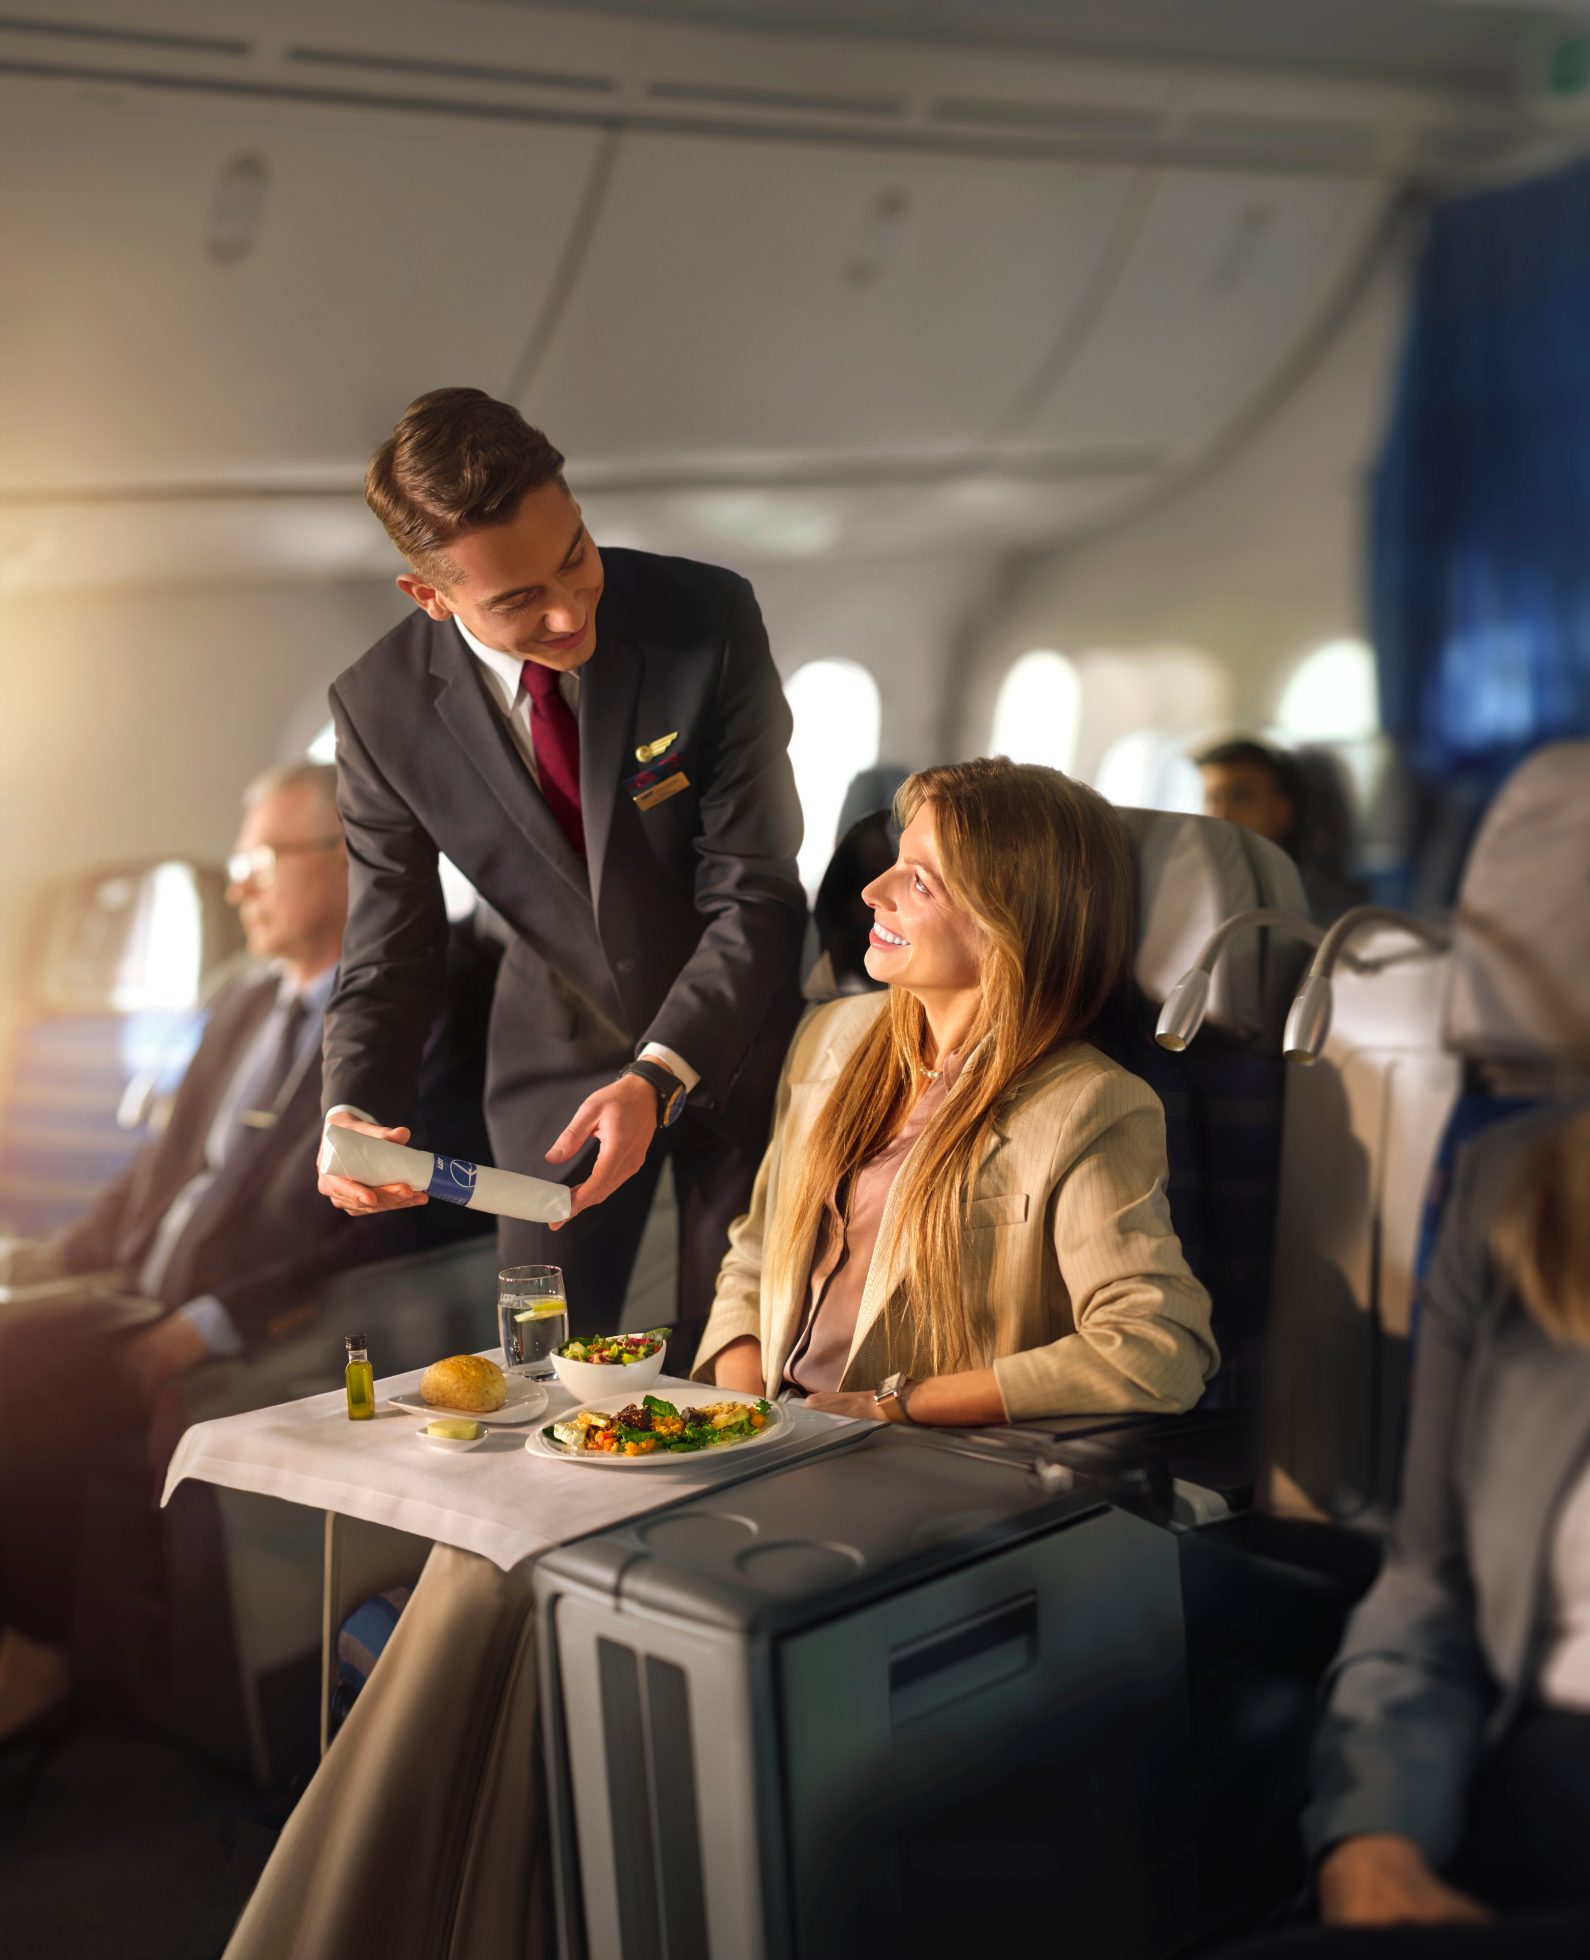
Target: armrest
[69, 1286]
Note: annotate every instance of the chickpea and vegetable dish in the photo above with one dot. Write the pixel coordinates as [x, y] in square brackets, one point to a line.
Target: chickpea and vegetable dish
[645, 1428]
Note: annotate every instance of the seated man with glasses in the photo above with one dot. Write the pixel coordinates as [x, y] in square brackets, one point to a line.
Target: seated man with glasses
[216, 1225]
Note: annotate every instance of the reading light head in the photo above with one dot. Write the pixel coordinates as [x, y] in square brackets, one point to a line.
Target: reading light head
[1183, 1013]
[1309, 1021]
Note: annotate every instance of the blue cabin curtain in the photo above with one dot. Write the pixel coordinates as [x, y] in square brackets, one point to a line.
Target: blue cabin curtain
[1480, 519]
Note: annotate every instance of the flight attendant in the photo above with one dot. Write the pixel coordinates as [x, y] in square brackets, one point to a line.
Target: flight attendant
[598, 740]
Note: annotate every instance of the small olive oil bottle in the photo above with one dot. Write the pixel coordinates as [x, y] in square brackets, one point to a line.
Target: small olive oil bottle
[360, 1379]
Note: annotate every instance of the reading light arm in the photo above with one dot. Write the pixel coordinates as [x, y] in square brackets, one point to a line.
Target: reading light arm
[1183, 1013]
[1309, 1021]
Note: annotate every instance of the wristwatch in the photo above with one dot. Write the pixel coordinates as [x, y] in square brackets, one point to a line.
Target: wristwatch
[887, 1397]
[665, 1085]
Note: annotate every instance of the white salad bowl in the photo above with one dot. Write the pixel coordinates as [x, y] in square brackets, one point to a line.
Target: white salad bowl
[586, 1379]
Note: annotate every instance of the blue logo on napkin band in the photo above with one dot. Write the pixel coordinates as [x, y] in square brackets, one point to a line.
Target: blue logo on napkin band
[453, 1180]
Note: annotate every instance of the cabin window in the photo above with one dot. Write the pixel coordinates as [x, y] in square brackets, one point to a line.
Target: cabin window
[324, 747]
[1331, 696]
[1035, 716]
[838, 723]
[1149, 770]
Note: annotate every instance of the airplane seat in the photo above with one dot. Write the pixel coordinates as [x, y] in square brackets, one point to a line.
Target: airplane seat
[204, 1620]
[1223, 1095]
[123, 958]
[1420, 1058]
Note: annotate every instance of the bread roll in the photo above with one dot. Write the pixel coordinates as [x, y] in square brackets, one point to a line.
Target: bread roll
[464, 1381]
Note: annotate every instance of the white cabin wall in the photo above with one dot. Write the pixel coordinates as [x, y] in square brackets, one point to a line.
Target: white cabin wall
[135, 718]
[1257, 560]
[904, 619]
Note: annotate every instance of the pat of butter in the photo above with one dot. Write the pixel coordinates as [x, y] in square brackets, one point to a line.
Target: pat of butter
[455, 1428]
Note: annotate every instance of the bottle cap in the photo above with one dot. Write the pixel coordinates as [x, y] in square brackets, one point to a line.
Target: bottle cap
[351, 1341]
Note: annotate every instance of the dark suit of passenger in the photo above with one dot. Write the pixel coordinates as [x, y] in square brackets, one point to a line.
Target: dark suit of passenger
[261, 1241]
[683, 925]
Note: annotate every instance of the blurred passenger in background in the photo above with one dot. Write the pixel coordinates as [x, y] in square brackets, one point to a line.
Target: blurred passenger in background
[961, 1217]
[1298, 802]
[215, 1229]
[1451, 1805]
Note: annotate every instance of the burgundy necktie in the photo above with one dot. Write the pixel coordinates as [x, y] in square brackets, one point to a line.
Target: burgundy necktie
[555, 735]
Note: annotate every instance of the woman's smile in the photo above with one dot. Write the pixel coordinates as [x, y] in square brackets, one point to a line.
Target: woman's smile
[881, 936]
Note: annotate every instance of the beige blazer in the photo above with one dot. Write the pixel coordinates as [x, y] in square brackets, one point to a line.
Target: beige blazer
[1068, 1238]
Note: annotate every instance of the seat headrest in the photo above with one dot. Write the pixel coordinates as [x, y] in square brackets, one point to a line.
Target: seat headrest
[1521, 952]
[1192, 873]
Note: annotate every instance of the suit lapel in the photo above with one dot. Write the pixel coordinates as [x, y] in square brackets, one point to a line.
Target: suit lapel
[788, 1310]
[467, 713]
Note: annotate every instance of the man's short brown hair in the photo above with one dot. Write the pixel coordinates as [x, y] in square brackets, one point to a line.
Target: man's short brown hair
[457, 460]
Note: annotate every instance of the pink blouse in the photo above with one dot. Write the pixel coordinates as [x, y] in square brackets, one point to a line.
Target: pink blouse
[846, 1241]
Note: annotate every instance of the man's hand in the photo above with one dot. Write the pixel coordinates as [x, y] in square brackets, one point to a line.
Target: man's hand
[172, 1347]
[1383, 1880]
[360, 1200]
[623, 1119]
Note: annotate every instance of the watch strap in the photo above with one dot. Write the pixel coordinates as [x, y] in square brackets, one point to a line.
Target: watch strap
[664, 1084]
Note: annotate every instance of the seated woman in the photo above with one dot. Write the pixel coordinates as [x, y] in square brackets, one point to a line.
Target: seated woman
[1451, 1794]
[961, 1217]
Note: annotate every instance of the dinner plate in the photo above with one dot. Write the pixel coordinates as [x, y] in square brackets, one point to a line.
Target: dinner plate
[778, 1422]
[526, 1399]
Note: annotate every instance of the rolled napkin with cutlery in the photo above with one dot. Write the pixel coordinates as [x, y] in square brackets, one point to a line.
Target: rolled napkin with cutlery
[507, 1194]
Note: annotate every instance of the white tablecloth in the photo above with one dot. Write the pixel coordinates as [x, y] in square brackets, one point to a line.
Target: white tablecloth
[501, 1500]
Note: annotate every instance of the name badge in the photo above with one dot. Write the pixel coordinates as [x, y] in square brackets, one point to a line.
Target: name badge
[648, 799]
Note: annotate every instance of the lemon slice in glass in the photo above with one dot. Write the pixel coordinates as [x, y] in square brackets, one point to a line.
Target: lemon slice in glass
[540, 1310]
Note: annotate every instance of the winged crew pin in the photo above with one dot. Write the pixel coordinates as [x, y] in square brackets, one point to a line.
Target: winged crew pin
[649, 750]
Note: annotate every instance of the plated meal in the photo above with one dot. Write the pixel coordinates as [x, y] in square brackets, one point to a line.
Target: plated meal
[654, 1427]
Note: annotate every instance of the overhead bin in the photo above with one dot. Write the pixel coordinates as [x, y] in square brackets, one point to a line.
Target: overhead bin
[750, 302]
[207, 290]
[1226, 274]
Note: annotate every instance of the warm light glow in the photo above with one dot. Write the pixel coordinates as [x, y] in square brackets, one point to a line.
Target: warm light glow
[838, 723]
[1331, 697]
[1035, 717]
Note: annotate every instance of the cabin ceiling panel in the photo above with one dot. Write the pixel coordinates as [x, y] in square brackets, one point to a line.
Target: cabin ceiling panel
[1227, 274]
[765, 303]
[759, 526]
[247, 291]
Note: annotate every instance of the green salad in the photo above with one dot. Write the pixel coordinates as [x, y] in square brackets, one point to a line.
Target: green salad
[615, 1350]
[648, 1427]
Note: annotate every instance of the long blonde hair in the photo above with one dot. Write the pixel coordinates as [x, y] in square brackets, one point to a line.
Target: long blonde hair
[1541, 1237]
[1045, 867]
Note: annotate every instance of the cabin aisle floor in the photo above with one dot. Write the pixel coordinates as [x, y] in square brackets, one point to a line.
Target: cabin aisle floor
[121, 1845]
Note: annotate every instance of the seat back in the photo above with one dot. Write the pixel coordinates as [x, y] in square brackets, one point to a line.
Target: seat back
[1223, 1095]
[121, 956]
[1420, 1058]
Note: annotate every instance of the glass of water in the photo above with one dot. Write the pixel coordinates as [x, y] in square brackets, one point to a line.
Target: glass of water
[533, 1315]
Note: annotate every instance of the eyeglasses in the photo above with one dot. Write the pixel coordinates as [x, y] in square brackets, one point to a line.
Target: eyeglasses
[258, 866]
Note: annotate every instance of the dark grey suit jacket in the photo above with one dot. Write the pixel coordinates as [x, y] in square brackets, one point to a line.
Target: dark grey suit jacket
[687, 928]
[1446, 1645]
